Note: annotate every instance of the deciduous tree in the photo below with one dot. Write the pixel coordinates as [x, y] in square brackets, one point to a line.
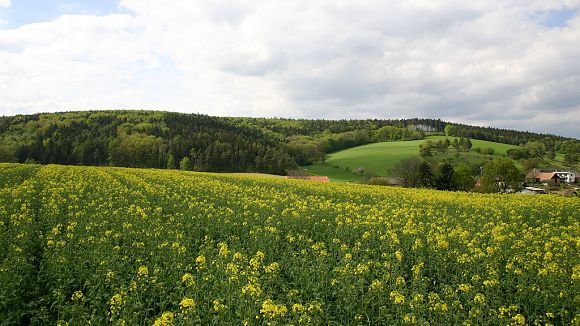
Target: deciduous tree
[407, 171]
[500, 175]
[185, 164]
[462, 178]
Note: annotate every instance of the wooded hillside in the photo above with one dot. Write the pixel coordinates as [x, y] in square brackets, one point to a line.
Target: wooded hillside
[140, 139]
[204, 143]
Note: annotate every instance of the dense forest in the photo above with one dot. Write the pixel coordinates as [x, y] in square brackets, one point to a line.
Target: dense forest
[506, 136]
[314, 127]
[204, 143]
[141, 139]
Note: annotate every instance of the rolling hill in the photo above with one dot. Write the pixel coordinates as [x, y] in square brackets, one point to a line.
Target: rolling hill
[379, 158]
[141, 139]
[154, 139]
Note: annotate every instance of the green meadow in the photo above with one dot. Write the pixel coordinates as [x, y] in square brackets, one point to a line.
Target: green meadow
[379, 158]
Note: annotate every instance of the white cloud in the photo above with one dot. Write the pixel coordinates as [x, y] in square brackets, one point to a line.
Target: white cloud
[469, 61]
[5, 3]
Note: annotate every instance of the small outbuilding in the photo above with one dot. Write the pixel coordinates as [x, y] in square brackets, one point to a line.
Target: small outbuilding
[309, 177]
[532, 190]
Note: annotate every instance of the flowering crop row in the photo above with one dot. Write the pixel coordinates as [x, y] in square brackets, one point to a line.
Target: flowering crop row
[129, 246]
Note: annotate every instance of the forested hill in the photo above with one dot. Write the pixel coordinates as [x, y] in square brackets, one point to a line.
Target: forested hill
[141, 139]
[314, 127]
[205, 143]
[506, 136]
[308, 141]
[310, 127]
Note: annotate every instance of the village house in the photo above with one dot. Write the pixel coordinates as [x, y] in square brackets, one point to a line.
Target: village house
[567, 176]
[544, 176]
[538, 176]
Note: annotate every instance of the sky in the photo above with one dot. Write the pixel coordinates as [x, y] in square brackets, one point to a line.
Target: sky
[507, 64]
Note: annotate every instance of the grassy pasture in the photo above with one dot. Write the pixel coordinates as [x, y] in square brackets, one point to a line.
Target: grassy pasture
[379, 158]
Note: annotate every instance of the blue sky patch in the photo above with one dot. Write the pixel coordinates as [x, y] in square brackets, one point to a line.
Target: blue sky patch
[22, 12]
[556, 18]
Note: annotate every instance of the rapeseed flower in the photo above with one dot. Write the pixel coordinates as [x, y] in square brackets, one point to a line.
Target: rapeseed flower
[77, 296]
[271, 310]
[142, 272]
[166, 319]
[187, 305]
[188, 280]
[397, 297]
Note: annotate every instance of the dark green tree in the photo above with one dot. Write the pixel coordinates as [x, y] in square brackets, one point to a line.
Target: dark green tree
[445, 178]
[426, 175]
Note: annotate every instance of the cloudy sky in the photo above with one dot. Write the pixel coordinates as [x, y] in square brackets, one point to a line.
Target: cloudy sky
[511, 64]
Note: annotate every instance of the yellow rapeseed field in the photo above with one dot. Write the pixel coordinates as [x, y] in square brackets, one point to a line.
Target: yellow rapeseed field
[121, 246]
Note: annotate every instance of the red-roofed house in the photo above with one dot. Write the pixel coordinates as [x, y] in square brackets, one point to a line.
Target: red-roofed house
[544, 177]
[309, 177]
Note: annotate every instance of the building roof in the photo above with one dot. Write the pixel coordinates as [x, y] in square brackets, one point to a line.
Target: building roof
[542, 176]
[309, 177]
[535, 189]
[545, 176]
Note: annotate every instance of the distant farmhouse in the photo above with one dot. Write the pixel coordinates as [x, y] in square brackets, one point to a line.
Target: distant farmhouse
[309, 177]
[551, 177]
[536, 176]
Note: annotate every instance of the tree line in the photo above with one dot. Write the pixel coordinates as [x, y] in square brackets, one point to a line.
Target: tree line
[415, 172]
[317, 127]
[272, 145]
[499, 175]
[498, 135]
[141, 139]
